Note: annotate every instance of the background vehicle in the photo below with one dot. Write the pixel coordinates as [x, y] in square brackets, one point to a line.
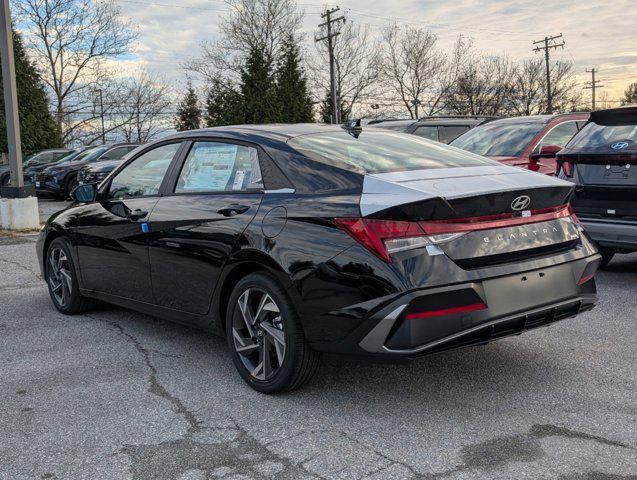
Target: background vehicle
[602, 160]
[45, 157]
[528, 142]
[295, 239]
[98, 171]
[439, 128]
[60, 179]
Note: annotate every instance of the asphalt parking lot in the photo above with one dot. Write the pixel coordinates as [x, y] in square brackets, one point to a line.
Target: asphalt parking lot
[118, 395]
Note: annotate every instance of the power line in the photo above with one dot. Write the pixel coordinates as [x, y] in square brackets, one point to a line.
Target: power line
[547, 46]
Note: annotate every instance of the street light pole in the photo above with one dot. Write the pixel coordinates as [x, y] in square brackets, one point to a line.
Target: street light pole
[99, 91]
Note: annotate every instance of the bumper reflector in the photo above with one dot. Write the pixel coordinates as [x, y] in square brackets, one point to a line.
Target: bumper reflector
[446, 311]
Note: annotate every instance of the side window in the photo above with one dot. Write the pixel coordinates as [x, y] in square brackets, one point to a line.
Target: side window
[448, 133]
[116, 153]
[143, 176]
[218, 167]
[430, 132]
[559, 135]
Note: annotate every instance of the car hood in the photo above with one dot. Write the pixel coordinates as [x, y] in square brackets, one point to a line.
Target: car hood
[382, 191]
[103, 166]
[66, 165]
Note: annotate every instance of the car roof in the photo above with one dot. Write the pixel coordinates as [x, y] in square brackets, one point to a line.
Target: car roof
[273, 131]
[545, 118]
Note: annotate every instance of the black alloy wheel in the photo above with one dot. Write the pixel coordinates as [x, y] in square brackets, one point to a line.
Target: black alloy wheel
[62, 280]
[268, 346]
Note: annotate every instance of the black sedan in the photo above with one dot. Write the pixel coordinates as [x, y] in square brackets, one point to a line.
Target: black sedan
[293, 240]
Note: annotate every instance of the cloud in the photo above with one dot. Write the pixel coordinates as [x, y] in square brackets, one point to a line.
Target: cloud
[597, 33]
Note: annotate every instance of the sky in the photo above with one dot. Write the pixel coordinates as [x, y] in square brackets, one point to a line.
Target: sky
[598, 34]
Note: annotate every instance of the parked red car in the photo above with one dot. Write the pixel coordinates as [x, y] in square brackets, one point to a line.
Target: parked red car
[528, 142]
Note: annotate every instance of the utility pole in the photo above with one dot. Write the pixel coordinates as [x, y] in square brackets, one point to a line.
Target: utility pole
[101, 100]
[546, 47]
[10, 98]
[592, 85]
[18, 205]
[331, 33]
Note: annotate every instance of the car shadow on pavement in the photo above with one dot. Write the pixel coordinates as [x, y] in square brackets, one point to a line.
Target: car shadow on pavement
[497, 369]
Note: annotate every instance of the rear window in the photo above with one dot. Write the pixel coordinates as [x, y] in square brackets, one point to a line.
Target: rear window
[499, 139]
[607, 138]
[378, 151]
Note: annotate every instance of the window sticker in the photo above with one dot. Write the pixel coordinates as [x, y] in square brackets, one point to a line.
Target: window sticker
[211, 167]
[238, 180]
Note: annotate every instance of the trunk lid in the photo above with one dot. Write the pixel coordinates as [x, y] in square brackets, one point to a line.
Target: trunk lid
[488, 215]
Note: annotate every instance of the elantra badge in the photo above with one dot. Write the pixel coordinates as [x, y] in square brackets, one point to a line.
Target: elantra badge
[520, 203]
[619, 145]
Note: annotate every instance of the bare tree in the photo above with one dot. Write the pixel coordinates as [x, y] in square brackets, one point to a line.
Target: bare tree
[145, 105]
[70, 40]
[567, 94]
[412, 67]
[528, 92]
[482, 84]
[260, 24]
[357, 61]
[529, 88]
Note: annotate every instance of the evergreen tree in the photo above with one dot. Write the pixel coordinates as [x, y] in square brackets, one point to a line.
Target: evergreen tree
[37, 127]
[325, 110]
[295, 104]
[224, 106]
[630, 95]
[188, 113]
[258, 89]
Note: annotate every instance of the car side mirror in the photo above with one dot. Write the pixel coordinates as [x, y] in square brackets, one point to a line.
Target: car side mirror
[85, 193]
[548, 151]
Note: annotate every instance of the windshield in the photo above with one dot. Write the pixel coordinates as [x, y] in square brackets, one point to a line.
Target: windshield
[87, 155]
[605, 137]
[382, 151]
[499, 139]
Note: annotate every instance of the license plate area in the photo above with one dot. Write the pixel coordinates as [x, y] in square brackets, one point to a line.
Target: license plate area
[531, 289]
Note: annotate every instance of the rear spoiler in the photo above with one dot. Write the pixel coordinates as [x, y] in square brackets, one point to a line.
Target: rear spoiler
[615, 116]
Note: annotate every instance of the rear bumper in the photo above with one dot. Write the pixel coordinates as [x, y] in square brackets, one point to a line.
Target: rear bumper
[614, 234]
[513, 304]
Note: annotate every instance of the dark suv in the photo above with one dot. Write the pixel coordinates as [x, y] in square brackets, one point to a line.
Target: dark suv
[438, 128]
[44, 157]
[60, 179]
[602, 160]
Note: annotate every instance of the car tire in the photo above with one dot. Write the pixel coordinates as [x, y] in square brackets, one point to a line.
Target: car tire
[6, 179]
[71, 183]
[61, 279]
[265, 337]
[607, 256]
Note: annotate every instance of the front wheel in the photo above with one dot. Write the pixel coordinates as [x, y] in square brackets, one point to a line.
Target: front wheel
[61, 279]
[264, 333]
[70, 186]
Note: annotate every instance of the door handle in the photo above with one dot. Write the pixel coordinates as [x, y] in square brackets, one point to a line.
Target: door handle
[137, 214]
[233, 209]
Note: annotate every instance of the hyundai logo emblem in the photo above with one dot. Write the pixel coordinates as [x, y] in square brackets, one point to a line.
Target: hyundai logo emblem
[521, 202]
[619, 145]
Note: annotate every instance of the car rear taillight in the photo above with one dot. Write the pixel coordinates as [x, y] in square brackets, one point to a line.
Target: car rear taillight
[384, 237]
[565, 166]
